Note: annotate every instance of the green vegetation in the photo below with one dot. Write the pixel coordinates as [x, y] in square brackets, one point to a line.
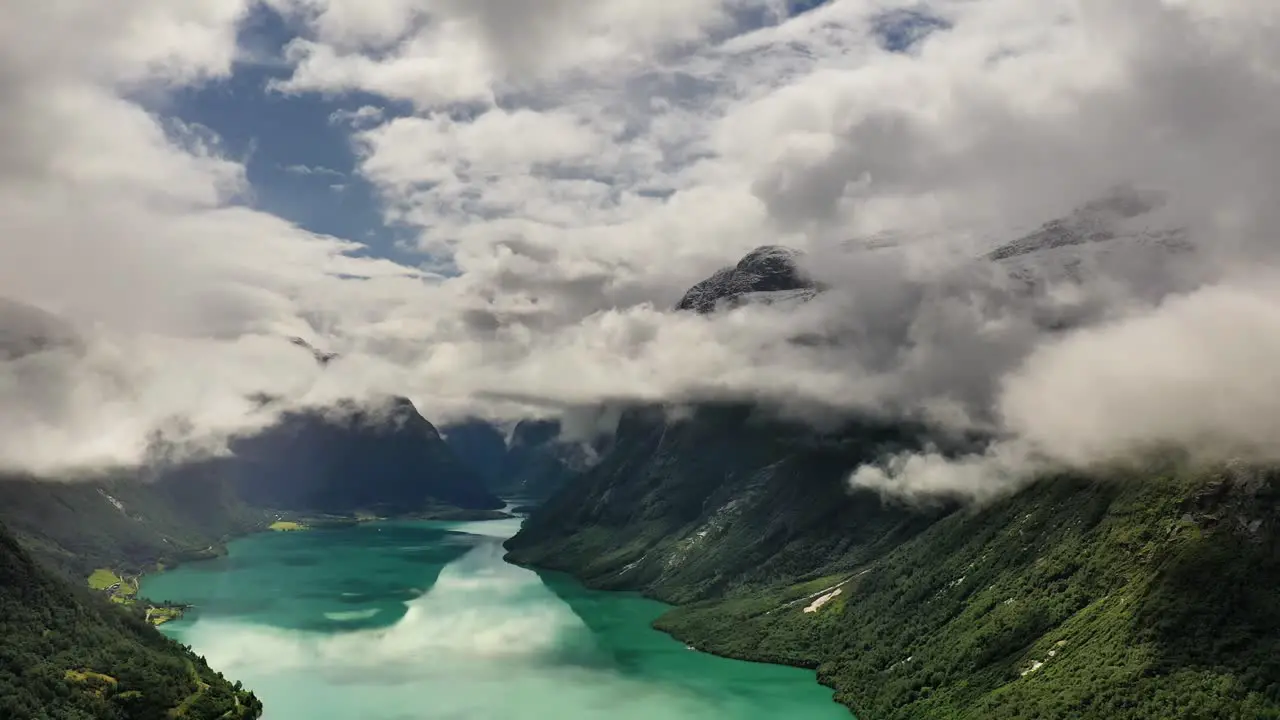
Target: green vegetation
[1069, 601]
[124, 591]
[287, 526]
[163, 614]
[103, 578]
[68, 655]
[128, 525]
[107, 532]
[1145, 595]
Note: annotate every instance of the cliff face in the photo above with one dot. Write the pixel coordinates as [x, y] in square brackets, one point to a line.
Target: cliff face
[1145, 595]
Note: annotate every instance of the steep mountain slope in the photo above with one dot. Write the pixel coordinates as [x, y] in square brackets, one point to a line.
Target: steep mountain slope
[480, 446]
[537, 462]
[69, 655]
[128, 520]
[134, 520]
[382, 459]
[1147, 595]
[691, 508]
[533, 464]
[1150, 597]
[126, 523]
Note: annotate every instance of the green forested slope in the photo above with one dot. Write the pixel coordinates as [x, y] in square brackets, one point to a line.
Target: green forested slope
[1147, 595]
[690, 509]
[68, 655]
[130, 524]
[1152, 597]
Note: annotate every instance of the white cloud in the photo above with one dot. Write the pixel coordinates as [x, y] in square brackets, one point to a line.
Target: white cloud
[441, 51]
[308, 170]
[575, 168]
[361, 117]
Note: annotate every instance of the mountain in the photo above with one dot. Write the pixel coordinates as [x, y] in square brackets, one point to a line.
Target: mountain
[531, 465]
[1149, 594]
[125, 523]
[688, 509]
[1123, 214]
[480, 446]
[538, 462]
[766, 274]
[68, 654]
[128, 520]
[384, 458]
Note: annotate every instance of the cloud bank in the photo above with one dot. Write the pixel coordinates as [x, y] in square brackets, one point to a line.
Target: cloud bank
[567, 174]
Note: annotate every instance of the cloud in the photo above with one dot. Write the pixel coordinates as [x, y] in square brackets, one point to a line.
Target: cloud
[568, 173]
[361, 117]
[1192, 378]
[309, 170]
[491, 636]
[446, 51]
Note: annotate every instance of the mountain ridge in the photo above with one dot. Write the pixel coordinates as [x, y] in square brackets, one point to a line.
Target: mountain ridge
[1077, 597]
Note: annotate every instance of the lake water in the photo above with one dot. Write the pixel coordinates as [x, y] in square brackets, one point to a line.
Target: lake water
[424, 621]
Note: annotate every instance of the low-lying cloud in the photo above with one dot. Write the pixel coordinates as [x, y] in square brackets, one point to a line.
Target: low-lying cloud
[569, 175]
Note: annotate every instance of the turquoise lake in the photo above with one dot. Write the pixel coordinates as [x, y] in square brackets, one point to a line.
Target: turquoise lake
[424, 621]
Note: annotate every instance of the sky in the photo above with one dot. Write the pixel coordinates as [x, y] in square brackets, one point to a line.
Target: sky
[492, 206]
[296, 147]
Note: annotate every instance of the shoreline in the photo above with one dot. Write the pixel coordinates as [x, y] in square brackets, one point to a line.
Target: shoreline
[276, 521]
[695, 644]
[563, 591]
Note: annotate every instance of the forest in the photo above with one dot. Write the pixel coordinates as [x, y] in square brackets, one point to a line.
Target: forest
[1147, 592]
[68, 654]
[1144, 598]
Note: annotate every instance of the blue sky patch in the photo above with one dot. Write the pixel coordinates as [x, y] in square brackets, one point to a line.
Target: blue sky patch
[901, 30]
[299, 162]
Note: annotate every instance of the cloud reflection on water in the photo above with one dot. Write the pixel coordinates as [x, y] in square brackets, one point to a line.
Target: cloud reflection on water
[487, 641]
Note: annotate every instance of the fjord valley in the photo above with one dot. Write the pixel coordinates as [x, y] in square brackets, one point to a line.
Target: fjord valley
[80, 641]
[1143, 592]
[704, 360]
[424, 619]
[1138, 590]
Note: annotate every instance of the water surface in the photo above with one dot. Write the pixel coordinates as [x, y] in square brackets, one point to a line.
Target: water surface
[424, 621]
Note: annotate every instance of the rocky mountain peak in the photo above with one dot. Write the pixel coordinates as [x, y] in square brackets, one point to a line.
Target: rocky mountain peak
[766, 274]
